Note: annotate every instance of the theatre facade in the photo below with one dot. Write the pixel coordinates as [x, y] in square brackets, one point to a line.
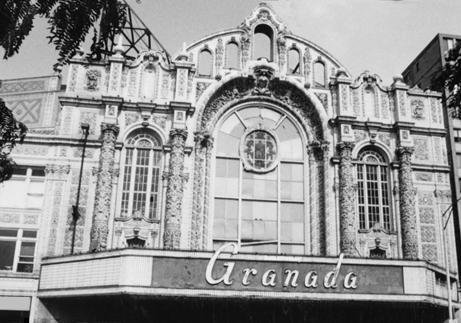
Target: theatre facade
[250, 178]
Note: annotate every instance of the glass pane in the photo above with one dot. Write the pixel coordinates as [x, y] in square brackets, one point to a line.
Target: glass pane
[249, 113]
[292, 182]
[25, 267]
[27, 248]
[225, 224]
[29, 234]
[259, 220]
[39, 172]
[7, 254]
[20, 170]
[291, 146]
[292, 222]
[261, 186]
[8, 233]
[228, 145]
[227, 176]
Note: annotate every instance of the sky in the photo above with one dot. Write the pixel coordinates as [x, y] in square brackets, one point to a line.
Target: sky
[382, 36]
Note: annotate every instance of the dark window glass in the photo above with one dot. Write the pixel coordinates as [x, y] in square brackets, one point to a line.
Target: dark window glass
[8, 233]
[7, 254]
[263, 42]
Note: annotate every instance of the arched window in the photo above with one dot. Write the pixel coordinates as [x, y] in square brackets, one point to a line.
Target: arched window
[293, 62]
[319, 74]
[263, 42]
[205, 63]
[141, 176]
[232, 56]
[259, 182]
[373, 191]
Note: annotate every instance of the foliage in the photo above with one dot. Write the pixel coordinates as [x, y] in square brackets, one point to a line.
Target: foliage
[452, 79]
[70, 21]
[11, 132]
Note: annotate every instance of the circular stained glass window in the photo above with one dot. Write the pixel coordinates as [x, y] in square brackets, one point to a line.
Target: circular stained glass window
[259, 151]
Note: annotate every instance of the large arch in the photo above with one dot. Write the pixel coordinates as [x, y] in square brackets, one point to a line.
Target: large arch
[260, 86]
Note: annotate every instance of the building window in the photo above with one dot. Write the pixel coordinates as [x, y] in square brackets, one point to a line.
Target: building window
[451, 43]
[263, 42]
[17, 249]
[232, 56]
[261, 206]
[319, 74]
[25, 189]
[373, 191]
[205, 63]
[141, 176]
[293, 62]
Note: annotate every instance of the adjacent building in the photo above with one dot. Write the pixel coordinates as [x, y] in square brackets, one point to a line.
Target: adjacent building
[425, 72]
[249, 178]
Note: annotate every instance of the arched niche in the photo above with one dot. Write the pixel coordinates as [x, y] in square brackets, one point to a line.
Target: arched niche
[263, 42]
[232, 93]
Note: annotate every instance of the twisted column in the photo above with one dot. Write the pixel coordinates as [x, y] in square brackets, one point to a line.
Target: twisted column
[175, 190]
[407, 204]
[100, 225]
[347, 199]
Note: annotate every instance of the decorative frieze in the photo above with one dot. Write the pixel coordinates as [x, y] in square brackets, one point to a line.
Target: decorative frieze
[102, 205]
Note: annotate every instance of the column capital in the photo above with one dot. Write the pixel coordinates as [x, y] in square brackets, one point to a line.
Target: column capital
[110, 127]
[203, 138]
[178, 132]
[345, 145]
[405, 150]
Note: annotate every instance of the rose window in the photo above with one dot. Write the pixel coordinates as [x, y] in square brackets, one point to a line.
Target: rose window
[260, 150]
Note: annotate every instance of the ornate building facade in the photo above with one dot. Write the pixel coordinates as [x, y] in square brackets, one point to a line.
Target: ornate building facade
[249, 171]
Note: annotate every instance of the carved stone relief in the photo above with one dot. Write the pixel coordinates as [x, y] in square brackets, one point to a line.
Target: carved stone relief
[417, 109]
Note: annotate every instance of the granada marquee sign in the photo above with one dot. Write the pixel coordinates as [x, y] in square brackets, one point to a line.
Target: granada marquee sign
[226, 270]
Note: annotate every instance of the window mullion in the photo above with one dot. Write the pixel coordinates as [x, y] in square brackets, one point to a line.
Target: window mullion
[380, 197]
[149, 183]
[239, 226]
[132, 180]
[279, 212]
[365, 195]
[17, 250]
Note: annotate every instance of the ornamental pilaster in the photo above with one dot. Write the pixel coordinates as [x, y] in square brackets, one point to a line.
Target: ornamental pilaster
[203, 142]
[100, 224]
[347, 221]
[175, 190]
[407, 204]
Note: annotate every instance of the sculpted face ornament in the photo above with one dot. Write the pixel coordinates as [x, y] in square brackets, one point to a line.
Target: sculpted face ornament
[264, 75]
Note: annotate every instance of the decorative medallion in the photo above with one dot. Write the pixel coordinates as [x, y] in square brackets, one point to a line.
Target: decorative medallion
[259, 151]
